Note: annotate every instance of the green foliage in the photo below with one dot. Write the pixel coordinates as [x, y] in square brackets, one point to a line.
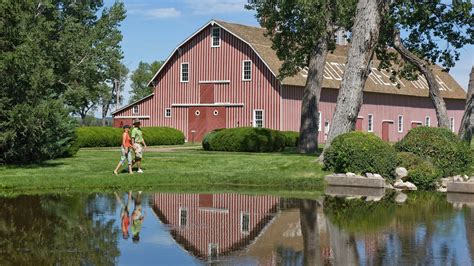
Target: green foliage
[36, 133]
[436, 32]
[112, 137]
[408, 160]
[247, 139]
[57, 57]
[140, 78]
[360, 216]
[291, 138]
[206, 142]
[360, 152]
[301, 24]
[424, 175]
[439, 146]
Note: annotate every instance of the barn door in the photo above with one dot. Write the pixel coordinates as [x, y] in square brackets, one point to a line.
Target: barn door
[359, 122]
[204, 119]
[206, 93]
[386, 130]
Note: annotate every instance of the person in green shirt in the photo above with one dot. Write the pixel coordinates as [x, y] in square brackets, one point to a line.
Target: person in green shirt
[138, 144]
[137, 218]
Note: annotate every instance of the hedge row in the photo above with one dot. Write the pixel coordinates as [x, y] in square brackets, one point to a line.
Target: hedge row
[112, 137]
[247, 139]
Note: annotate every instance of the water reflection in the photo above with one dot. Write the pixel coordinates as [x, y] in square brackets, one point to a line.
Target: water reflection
[236, 229]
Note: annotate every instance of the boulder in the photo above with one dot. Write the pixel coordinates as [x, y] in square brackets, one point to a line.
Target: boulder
[458, 178]
[401, 172]
[388, 186]
[466, 178]
[444, 181]
[377, 176]
[404, 185]
[369, 175]
[350, 174]
[401, 197]
[442, 189]
[372, 198]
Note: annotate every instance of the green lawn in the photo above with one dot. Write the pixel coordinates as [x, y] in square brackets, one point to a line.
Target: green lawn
[190, 169]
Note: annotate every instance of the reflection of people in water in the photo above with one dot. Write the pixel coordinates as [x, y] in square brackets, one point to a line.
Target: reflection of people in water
[137, 218]
[124, 214]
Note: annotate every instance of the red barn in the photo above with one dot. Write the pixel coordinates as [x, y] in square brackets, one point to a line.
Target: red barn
[225, 75]
[213, 226]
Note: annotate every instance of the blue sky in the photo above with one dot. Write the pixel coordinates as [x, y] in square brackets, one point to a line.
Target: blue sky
[153, 29]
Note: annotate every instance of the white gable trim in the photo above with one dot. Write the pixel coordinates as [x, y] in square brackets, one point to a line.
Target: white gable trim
[212, 23]
[130, 104]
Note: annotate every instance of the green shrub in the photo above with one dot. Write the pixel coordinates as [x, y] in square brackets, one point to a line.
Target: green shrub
[34, 133]
[440, 146]
[424, 175]
[360, 153]
[291, 138]
[206, 140]
[112, 137]
[247, 139]
[408, 160]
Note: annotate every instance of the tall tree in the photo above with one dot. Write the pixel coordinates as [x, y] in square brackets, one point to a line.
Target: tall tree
[140, 78]
[365, 34]
[435, 31]
[302, 33]
[465, 130]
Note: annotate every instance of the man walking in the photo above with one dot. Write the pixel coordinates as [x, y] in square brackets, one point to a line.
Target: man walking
[138, 144]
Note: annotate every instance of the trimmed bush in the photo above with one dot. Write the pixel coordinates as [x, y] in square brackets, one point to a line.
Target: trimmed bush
[112, 137]
[439, 146]
[206, 141]
[408, 160]
[291, 138]
[424, 175]
[246, 139]
[361, 152]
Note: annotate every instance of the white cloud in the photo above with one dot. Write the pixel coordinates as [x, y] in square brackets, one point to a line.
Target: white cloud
[206, 7]
[156, 13]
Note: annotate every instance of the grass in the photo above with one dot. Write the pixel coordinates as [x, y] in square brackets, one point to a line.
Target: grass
[190, 170]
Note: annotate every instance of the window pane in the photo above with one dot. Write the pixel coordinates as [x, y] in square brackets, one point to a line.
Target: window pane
[183, 217]
[247, 69]
[245, 222]
[215, 36]
[184, 72]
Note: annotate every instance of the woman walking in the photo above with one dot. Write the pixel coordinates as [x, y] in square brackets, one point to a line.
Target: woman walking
[126, 150]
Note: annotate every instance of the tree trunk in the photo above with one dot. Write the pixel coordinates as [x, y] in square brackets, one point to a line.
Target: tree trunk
[310, 232]
[423, 67]
[308, 140]
[105, 110]
[465, 131]
[365, 34]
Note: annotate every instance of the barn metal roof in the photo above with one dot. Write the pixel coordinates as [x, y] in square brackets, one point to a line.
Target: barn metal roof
[378, 81]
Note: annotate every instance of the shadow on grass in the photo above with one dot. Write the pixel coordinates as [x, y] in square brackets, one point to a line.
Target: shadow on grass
[47, 164]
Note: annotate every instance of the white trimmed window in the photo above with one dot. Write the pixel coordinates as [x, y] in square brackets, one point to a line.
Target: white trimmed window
[258, 120]
[215, 37]
[168, 112]
[135, 109]
[183, 216]
[400, 123]
[370, 123]
[244, 222]
[320, 118]
[451, 123]
[184, 73]
[427, 121]
[246, 70]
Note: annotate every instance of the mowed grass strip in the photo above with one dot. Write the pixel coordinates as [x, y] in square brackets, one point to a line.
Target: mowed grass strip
[91, 170]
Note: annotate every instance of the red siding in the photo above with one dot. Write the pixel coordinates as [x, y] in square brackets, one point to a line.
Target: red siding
[216, 224]
[382, 106]
[213, 63]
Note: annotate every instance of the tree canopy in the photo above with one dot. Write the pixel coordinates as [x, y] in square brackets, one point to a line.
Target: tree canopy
[140, 78]
[57, 57]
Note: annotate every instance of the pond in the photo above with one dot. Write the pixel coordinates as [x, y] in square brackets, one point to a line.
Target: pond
[234, 229]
